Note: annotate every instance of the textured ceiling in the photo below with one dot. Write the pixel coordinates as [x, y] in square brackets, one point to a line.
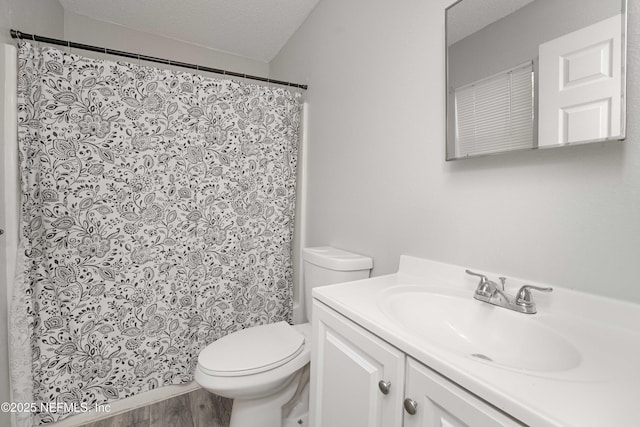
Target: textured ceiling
[254, 29]
[469, 16]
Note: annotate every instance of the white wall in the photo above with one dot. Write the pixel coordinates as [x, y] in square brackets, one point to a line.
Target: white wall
[8, 214]
[82, 29]
[379, 185]
[31, 16]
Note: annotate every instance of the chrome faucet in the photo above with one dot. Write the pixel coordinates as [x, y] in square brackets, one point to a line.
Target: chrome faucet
[492, 293]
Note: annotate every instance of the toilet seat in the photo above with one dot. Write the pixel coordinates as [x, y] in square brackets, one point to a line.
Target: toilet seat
[252, 350]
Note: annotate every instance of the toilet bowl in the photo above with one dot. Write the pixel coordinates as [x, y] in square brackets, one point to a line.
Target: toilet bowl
[262, 367]
[258, 368]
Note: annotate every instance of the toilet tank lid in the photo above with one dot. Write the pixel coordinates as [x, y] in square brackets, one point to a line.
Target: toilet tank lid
[336, 259]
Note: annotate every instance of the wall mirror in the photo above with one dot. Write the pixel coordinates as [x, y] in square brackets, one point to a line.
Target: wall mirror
[529, 74]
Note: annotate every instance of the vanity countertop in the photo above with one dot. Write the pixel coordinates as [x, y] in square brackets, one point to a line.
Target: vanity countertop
[597, 386]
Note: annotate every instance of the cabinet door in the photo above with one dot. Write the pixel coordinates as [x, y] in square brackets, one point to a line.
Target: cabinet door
[347, 364]
[441, 403]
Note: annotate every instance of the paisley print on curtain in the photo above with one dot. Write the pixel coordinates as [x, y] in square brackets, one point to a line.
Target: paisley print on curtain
[157, 217]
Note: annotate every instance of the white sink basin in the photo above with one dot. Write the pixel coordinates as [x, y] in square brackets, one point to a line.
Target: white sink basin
[452, 320]
[574, 363]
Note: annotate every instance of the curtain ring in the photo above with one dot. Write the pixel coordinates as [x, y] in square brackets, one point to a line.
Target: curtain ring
[139, 60]
[69, 46]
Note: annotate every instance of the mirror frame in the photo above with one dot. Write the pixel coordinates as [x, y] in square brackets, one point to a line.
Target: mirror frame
[450, 121]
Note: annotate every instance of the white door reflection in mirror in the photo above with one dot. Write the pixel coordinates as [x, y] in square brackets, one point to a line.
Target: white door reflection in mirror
[580, 85]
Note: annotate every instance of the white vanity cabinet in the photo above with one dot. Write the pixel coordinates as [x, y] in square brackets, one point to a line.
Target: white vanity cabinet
[359, 380]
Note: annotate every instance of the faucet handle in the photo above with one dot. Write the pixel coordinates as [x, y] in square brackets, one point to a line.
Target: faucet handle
[484, 289]
[482, 277]
[524, 298]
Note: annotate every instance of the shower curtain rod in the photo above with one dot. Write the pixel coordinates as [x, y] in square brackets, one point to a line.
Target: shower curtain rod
[24, 36]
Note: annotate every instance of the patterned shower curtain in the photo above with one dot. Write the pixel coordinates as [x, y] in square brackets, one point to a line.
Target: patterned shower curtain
[157, 216]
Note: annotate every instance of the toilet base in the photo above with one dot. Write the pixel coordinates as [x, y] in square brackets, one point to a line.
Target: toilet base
[298, 415]
[265, 412]
[300, 421]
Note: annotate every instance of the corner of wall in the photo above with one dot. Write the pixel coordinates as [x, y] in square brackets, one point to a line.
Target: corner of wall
[9, 213]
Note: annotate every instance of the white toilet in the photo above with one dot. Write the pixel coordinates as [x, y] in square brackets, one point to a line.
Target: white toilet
[262, 368]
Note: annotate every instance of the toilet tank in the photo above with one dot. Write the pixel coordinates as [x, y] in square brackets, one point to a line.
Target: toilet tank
[326, 265]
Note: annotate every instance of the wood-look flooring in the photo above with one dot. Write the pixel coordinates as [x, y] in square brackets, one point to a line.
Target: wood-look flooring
[196, 409]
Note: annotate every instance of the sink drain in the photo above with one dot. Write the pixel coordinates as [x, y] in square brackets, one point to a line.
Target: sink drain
[482, 356]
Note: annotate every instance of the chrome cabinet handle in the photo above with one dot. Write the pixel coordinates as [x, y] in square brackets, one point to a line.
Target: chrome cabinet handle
[411, 406]
[384, 386]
